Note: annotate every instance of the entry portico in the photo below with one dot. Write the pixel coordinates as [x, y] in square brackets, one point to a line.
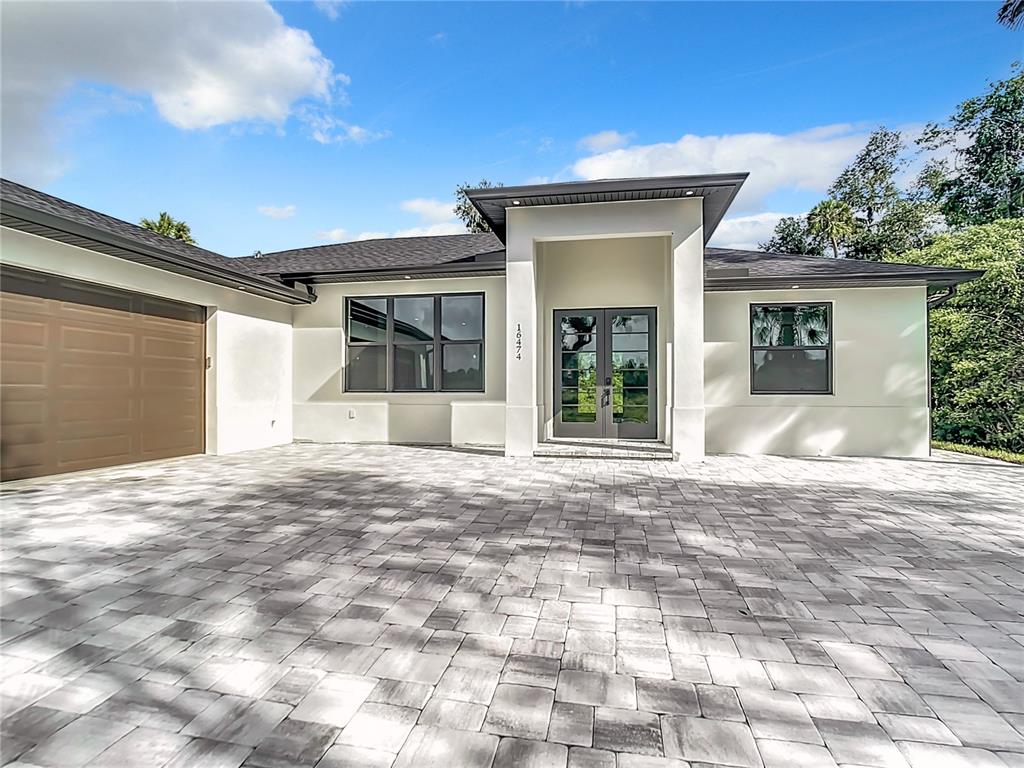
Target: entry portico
[558, 260]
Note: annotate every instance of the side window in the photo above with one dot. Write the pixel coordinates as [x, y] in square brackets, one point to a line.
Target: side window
[415, 343]
[790, 349]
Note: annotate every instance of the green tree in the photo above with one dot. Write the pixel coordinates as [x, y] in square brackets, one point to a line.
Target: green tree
[890, 219]
[791, 236]
[1011, 14]
[977, 337]
[833, 221]
[167, 225]
[985, 180]
[466, 211]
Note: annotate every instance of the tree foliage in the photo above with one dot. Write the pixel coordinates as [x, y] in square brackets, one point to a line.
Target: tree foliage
[167, 225]
[985, 179]
[791, 236]
[466, 211]
[1011, 13]
[867, 214]
[833, 222]
[977, 337]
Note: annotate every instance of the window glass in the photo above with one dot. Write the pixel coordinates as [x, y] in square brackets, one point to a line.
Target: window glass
[367, 369]
[462, 318]
[368, 320]
[461, 367]
[790, 326]
[790, 348]
[790, 370]
[414, 366]
[414, 318]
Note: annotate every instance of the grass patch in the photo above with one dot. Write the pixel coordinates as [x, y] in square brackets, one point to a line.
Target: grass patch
[988, 453]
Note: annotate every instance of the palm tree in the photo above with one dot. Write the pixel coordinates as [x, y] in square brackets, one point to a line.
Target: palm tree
[832, 220]
[1011, 14]
[169, 226]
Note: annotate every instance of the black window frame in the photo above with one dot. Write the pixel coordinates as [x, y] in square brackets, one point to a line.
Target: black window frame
[437, 344]
[827, 348]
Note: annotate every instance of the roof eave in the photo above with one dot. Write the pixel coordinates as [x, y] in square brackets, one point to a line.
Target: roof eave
[936, 279]
[482, 195]
[454, 269]
[61, 229]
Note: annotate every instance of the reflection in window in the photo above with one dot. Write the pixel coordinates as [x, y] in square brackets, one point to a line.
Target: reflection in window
[393, 345]
[791, 346]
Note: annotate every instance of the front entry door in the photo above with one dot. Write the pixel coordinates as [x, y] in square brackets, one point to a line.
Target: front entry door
[605, 378]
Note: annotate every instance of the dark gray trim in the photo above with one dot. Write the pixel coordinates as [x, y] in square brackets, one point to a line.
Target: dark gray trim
[467, 269]
[437, 343]
[48, 225]
[937, 278]
[717, 192]
[751, 348]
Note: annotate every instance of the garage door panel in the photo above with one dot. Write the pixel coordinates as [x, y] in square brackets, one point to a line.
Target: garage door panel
[23, 333]
[167, 348]
[23, 373]
[89, 379]
[103, 450]
[95, 340]
[96, 376]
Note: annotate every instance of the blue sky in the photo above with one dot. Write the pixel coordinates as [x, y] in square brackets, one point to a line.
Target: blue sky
[269, 127]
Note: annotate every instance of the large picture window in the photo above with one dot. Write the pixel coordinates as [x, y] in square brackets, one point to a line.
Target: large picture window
[415, 343]
[790, 349]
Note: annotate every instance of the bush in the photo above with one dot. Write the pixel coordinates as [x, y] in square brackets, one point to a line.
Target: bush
[977, 337]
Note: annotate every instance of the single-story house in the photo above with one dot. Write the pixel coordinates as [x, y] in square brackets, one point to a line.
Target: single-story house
[594, 311]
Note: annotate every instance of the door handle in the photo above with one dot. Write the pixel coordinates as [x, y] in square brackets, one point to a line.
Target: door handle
[606, 396]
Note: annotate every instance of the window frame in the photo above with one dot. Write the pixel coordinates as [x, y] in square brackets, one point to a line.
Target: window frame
[437, 344]
[827, 348]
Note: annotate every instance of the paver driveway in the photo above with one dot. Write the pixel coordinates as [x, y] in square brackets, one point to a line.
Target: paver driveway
[369, 606]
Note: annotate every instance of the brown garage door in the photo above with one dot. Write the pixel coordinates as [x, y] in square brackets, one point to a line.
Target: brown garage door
[92, 376]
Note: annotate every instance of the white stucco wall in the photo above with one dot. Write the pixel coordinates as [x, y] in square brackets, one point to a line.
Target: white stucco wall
[880, 358]
[248, 338]
[324, 412]
[603, 274]
[680, 223]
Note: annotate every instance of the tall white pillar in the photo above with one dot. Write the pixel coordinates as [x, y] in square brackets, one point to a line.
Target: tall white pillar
[688, 345]
[523, 348]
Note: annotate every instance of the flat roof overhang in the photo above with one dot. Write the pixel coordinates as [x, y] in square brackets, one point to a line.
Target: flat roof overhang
[43, 224]
[717, 191]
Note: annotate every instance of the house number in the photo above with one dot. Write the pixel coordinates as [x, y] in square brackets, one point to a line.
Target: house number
[519, 341]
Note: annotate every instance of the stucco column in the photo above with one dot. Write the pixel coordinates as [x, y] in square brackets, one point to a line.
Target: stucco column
[521, 330]
[688, 344]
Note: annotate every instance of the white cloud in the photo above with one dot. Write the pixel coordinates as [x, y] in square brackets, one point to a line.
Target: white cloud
[429, 209]
[746, 232]
[325, 128]
[201, 64]
[428, 230]
[336, 235]
[329, 8]
[277, 211]
[604, 141]
[807, 160]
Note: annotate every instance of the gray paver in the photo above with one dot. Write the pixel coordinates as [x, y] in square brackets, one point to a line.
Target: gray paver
[710, 741]
[411, 600]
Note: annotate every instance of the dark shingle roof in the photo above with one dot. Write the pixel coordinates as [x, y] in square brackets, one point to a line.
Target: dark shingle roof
[729, 266]
[369, 255]
[35, 212]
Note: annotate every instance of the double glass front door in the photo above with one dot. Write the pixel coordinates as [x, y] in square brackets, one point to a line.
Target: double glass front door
[605, 379]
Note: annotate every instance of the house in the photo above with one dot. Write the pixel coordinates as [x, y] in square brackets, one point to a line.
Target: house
[594, 311]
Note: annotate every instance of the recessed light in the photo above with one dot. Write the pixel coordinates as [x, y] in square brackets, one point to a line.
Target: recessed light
[689, 191]
[796, 286]
[407, 277]
[240, 287]
[515, 202]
